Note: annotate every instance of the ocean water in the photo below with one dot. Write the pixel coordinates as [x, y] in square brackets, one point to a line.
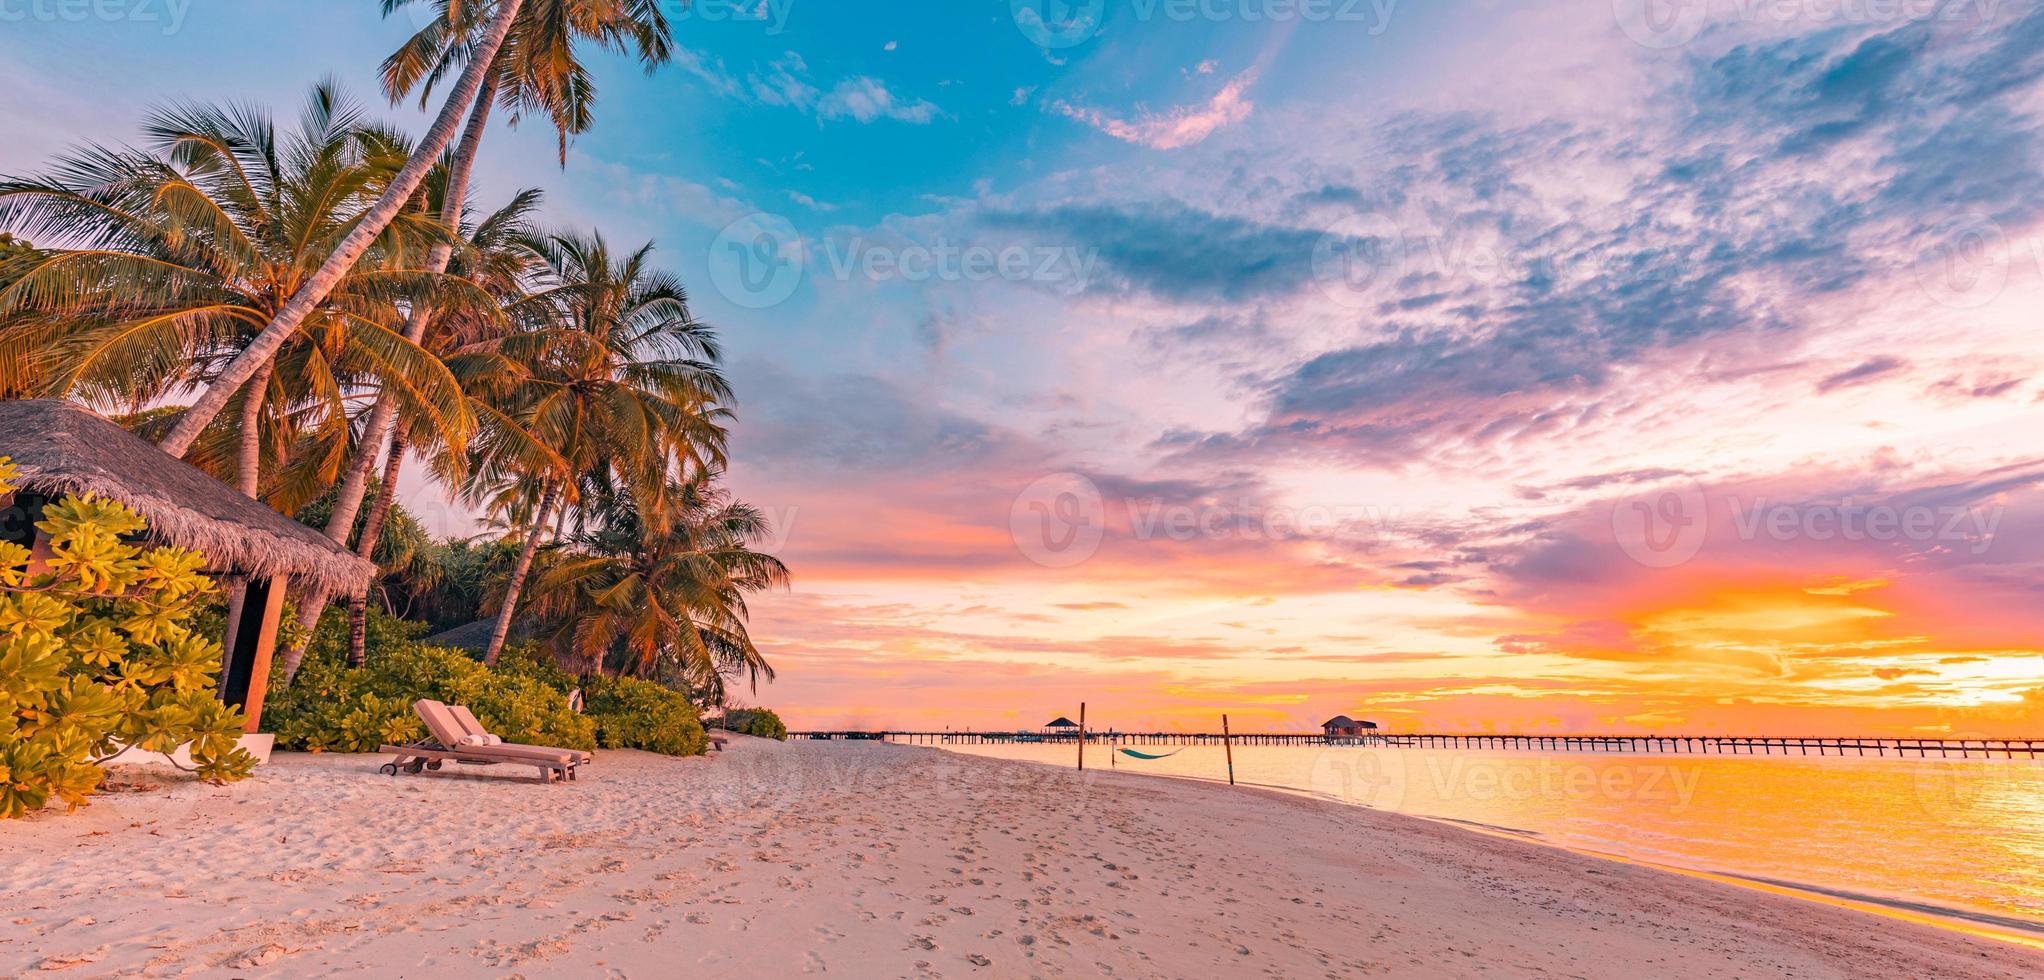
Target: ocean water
[1963, 838]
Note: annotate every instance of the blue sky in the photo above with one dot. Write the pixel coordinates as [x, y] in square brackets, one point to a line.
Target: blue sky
[1401, 306]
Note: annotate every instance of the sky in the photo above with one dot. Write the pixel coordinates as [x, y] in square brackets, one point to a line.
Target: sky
[1612, 366]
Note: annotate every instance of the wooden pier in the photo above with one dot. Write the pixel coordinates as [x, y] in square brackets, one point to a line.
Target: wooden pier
[1900, 748]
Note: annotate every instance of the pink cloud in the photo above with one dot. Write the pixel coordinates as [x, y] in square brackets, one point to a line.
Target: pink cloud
[1180, 127]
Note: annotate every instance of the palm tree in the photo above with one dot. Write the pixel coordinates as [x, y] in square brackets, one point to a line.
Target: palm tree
[21, 374]
[495, 260]
[471, 34]
[621, 380]
[539, 70]
[349, 250]
[174, 257]
[664, 592]
[536, 70]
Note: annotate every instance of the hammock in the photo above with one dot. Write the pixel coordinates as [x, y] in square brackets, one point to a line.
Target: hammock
[1146, 755]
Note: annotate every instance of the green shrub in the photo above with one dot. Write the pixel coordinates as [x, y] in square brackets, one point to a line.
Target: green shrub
[331, 708]
[525, 660]
[635, 714]
[97, 655]
[761, 722]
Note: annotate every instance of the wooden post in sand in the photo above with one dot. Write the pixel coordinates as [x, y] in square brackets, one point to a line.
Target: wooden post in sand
[1082, 736]
[1228, 746]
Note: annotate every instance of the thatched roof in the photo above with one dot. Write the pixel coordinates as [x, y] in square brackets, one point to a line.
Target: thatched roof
[60, 448]
[475, 637]
[1062, 722]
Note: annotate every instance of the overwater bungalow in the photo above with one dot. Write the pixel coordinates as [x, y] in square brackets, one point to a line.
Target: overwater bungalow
[59, 448]
[1342, 726]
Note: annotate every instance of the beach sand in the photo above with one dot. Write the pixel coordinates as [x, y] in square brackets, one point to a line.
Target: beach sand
[867, 860]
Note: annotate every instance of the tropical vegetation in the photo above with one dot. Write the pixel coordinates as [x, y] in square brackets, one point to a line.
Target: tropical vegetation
[758, 722]
[306, 309]
[98, 658]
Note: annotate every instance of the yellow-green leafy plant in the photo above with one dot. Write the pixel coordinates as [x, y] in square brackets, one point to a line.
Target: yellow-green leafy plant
[635, 714]
[97, 657]
[760, 722]
[335, 708]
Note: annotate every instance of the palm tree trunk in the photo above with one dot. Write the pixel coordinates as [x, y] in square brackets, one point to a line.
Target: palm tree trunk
[249, 476]
[358, 630]
[365, 547]
[518, 572]
[354, 486]
[379, 509]
[249, 466]
[310, 604]
[351, 249]
[348, 500]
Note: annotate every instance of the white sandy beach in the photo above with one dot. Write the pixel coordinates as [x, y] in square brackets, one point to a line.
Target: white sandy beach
[867, 860]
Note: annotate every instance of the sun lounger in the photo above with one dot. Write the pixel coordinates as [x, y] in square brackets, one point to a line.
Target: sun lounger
[470, 725]
[447, 747]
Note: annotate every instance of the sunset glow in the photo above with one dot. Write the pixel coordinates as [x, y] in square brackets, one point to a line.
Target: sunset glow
[1494, 370]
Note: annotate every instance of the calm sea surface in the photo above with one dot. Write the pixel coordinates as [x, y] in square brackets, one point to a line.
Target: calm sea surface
[1966, 837]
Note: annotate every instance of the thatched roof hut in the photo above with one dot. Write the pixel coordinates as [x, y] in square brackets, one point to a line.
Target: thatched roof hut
[475, 636]
[1342, 726]
[60, 448]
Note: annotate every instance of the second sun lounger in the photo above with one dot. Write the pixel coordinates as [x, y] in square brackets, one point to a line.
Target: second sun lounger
[470, 725]
[552, 764]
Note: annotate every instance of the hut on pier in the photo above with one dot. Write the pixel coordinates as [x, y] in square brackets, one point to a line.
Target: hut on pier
[1062, 726]
[1342, 726]
[59, 448]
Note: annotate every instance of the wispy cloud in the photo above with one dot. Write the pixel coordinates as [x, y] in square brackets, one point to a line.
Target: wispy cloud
[1179, 127]
[787, 81]
[1865, 371]
[866, 99]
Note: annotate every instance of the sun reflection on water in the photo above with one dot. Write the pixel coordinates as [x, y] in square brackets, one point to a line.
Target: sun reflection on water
[1963, 835]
